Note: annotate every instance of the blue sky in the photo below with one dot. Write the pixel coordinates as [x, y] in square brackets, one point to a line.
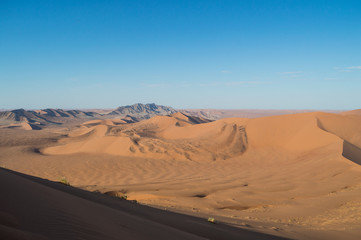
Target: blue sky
[186, 54]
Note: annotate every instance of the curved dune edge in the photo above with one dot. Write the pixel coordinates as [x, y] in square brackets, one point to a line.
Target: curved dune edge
[162, 137]
[347, 128]
[176, 137]
[37, 209]
[351, 152]
[296, 170]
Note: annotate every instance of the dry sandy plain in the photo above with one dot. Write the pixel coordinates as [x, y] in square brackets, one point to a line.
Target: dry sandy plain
[295, 176]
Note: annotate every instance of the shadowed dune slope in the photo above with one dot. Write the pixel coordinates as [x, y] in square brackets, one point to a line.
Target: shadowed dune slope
[32, 208]
[346, 127]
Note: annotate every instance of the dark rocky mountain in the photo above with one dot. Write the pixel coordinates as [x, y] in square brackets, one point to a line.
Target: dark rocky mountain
[142, 111]
[17, 115]
[37, 119]
[56, 113]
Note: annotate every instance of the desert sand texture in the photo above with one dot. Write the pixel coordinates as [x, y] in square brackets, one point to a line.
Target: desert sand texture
[296, 176]
[34, 208]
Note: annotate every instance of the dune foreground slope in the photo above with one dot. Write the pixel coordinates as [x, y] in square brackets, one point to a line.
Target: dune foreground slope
[33, 208]
[296, 176]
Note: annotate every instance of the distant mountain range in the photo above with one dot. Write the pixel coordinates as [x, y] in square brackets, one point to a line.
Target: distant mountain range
[37, 119]
[143, 111]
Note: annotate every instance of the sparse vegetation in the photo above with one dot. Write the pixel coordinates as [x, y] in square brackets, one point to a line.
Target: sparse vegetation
[64, 181]
[123, 196]
[117, 194]
[212, 220]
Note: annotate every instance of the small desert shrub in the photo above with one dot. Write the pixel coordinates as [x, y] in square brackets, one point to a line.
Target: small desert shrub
[124, 196]
[117, 194]
[64, 181]
[211, 220]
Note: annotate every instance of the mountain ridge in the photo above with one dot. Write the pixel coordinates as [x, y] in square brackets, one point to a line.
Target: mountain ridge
[37, 119]
[146, 110]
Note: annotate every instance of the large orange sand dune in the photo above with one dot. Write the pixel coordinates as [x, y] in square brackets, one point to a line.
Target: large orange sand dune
[293, 175]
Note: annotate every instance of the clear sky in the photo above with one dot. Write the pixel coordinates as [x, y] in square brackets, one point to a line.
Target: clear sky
[186, 54]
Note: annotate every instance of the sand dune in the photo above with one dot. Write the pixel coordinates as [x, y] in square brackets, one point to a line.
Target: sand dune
[38, 209]
[163, 137]
[345, 127]
[352, 112]
[348, 128]
[178, 137]
[295, 175]
[298, 133]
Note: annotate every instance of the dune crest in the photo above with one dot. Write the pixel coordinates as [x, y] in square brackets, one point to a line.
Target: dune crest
[161, 137]
[181, 137]
[352, 112]
[293, 172]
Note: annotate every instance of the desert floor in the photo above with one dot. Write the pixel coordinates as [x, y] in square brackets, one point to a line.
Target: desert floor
[296, 176]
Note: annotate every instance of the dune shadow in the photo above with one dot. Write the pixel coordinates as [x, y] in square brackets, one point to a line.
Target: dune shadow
[138, 216]
[351, 152]
[35, 127]
[201, 195]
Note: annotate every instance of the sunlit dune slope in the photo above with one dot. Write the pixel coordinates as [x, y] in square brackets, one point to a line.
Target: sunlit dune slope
[299, 169]
[352, 112]
[180, 137]
[166, 137]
